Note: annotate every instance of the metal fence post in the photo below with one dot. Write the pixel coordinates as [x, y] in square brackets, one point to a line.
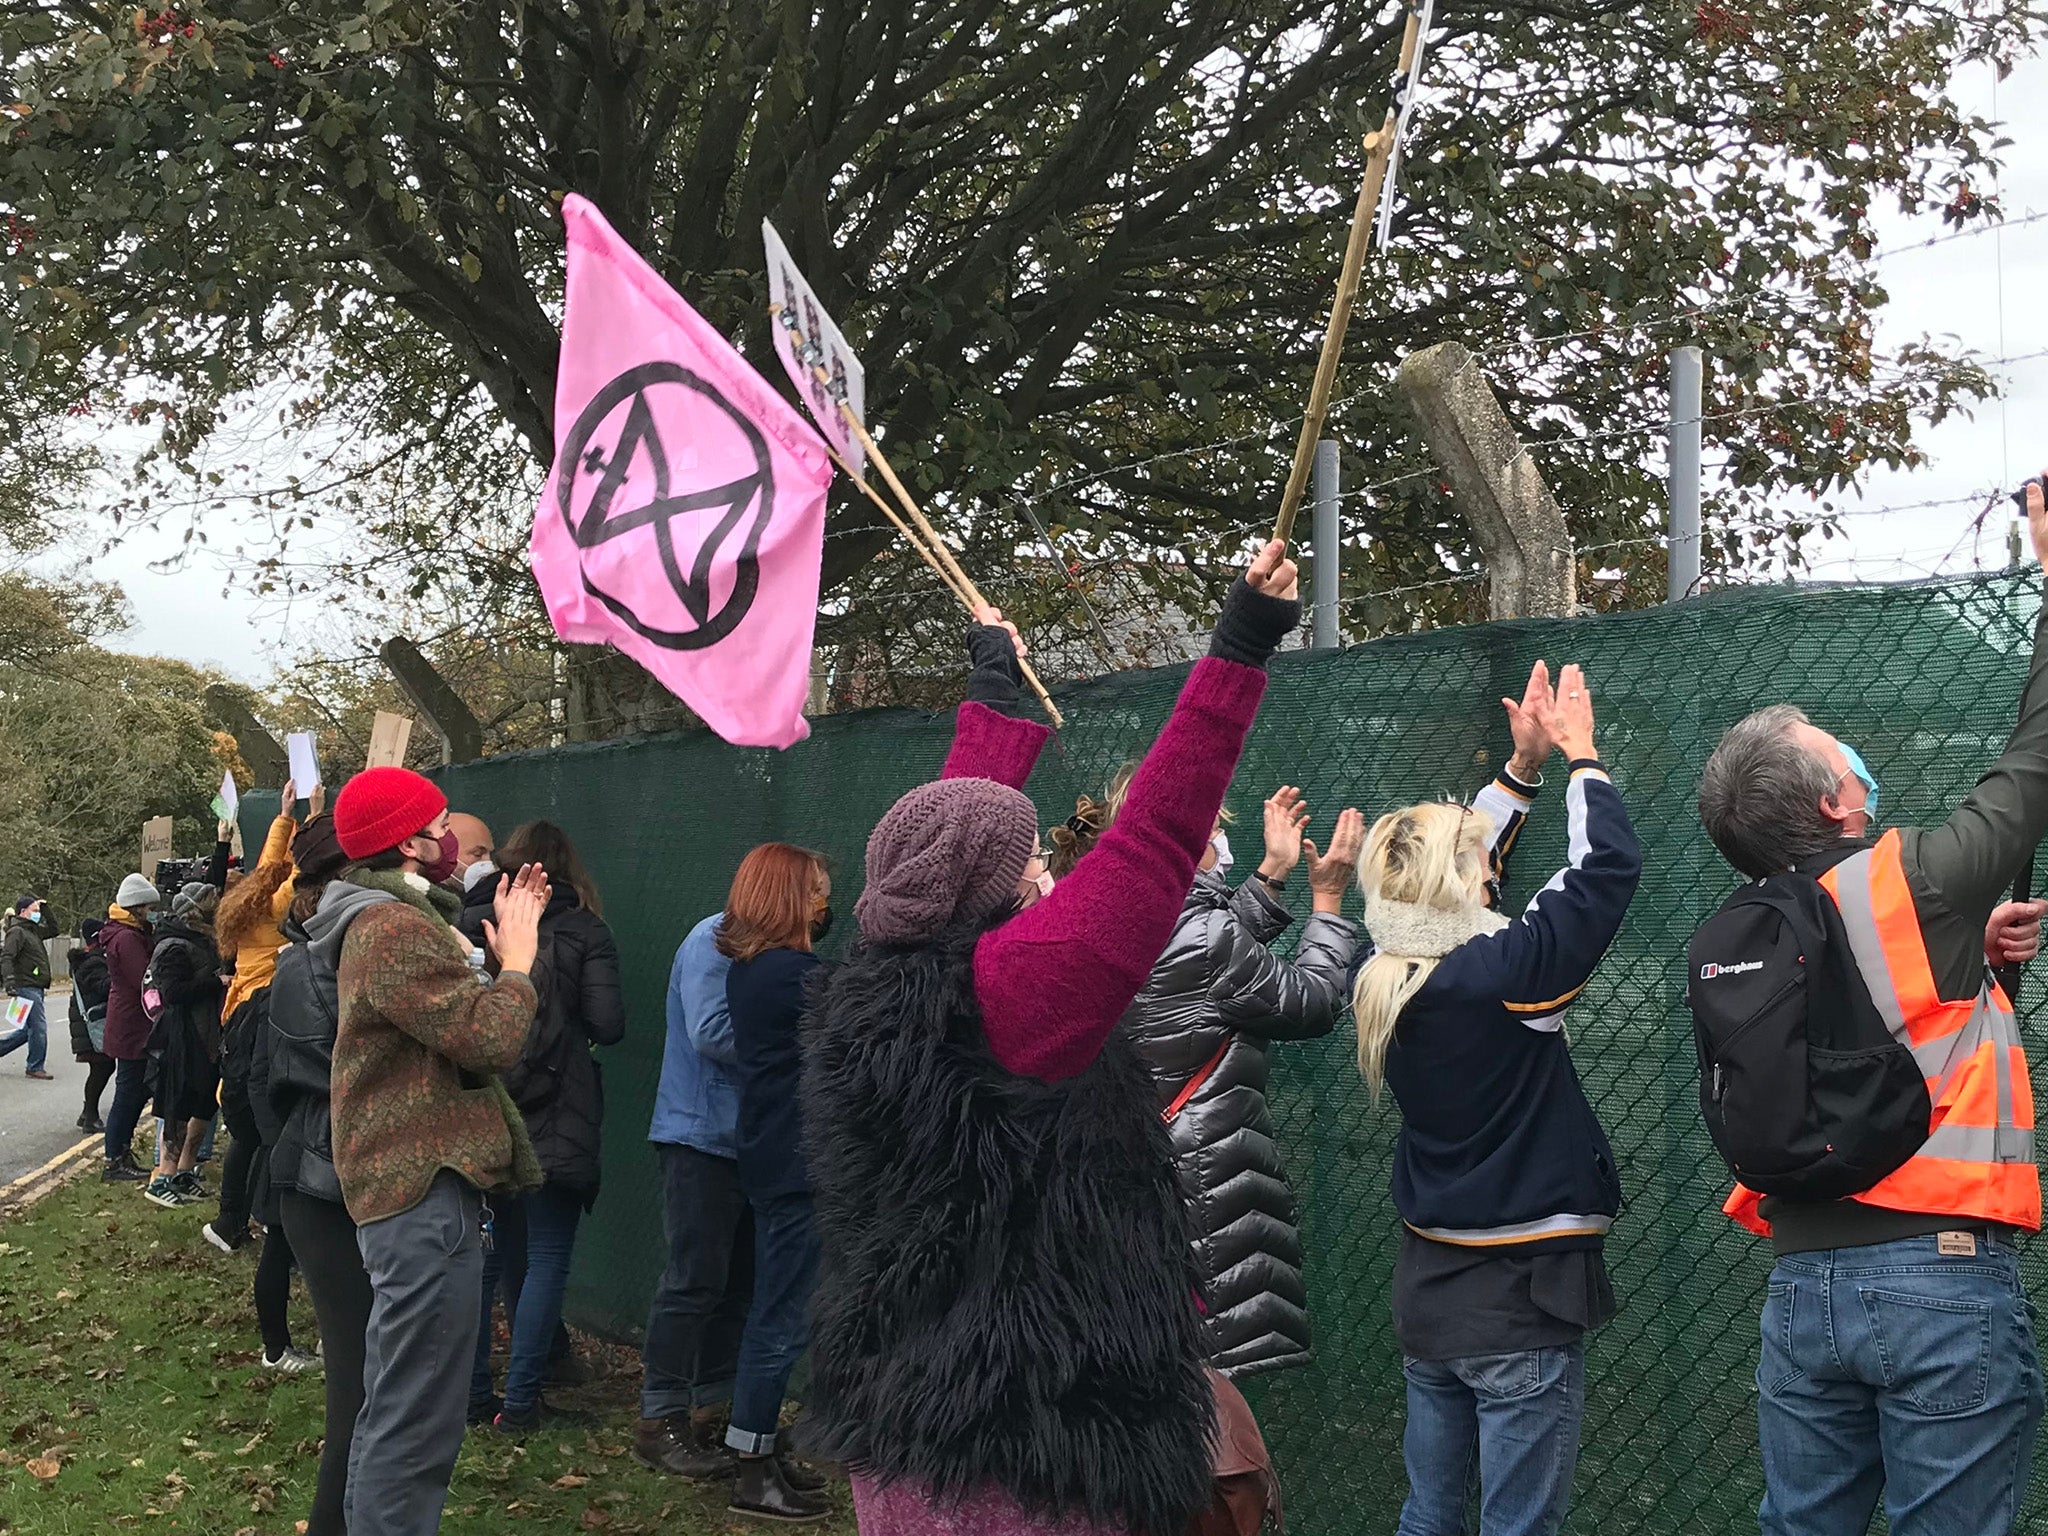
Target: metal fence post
[1684, 541]
[1323, 536]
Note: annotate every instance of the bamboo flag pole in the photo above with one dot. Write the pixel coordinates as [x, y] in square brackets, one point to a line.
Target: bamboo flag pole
[1379, 149]
[935, 553]
[965, 582]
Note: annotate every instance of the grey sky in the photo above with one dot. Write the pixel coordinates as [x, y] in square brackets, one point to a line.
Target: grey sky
[1983, 290]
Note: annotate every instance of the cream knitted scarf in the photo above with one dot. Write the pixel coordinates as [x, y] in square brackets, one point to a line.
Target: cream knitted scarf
[1409, 930]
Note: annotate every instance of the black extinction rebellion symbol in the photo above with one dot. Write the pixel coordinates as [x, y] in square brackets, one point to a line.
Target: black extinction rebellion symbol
[588, 491]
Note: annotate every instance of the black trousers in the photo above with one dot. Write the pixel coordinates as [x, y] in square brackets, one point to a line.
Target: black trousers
[131, 1092]
[274, 1290]
[324, 1239]
[691, 1357]
[236, 1193]
[99, 1071]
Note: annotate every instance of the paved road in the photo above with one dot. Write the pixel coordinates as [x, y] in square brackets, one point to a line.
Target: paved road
[39, 1120]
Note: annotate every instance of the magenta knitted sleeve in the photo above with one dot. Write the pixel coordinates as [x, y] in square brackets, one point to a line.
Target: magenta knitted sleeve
[987, 745]
[1054, 980]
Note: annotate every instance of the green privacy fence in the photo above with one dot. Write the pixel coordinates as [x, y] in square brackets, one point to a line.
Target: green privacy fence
[1924, 678]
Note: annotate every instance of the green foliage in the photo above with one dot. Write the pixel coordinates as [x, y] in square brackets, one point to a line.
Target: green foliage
[92, 745]
[1067, 238]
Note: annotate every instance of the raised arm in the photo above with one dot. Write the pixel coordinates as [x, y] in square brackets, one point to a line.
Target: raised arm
[1054, 980]
[990, 741]
[1970, 860]
[1540, 963]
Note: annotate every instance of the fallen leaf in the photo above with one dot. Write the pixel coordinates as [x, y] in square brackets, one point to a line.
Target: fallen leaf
[43, 1468]
[568, 1480]
[300, 1528]
[67, 1296]
[594, 1519]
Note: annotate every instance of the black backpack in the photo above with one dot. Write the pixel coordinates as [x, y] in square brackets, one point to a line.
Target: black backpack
[1805, 1092]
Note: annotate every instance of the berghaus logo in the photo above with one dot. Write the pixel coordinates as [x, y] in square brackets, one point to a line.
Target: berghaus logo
[1710, 970]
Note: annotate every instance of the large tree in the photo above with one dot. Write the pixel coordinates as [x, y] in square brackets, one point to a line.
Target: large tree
[1068, 236]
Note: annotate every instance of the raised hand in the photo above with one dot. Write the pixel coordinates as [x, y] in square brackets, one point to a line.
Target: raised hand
[1329, 874]
[1286, 817]
[993, 617]
[288, 797]
[317, 801]
[1272, 573]
[1533, 720]
[1574, 714]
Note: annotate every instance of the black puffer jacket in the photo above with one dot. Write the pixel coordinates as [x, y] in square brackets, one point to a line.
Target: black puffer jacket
[1217, 999]
[557, 1084]
[88, 992]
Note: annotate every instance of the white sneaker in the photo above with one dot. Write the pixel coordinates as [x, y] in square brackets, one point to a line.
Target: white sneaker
[212, 1235]
[293, 1362]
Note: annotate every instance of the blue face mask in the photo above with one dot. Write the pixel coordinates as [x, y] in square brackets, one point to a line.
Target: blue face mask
[1862, 771]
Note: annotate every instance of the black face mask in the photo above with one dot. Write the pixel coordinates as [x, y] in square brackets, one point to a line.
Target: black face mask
[821, 925]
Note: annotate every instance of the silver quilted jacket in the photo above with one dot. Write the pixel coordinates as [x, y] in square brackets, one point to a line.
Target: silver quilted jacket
[1219, 988]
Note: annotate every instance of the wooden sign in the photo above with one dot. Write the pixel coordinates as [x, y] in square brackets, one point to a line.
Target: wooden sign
[157, 841]
[389, 738]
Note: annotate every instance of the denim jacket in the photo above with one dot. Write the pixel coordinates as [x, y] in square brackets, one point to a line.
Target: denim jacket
[697, 1103]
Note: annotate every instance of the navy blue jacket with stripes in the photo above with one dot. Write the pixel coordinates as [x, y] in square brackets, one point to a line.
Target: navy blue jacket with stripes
[1498, 1146]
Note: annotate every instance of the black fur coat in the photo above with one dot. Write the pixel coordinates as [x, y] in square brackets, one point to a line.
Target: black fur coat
[1007, 1294]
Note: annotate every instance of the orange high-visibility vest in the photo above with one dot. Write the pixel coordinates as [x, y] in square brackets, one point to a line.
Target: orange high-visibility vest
[1978, 1160]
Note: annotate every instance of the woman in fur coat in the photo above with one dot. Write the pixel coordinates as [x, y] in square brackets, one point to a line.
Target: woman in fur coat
[1007, 1335]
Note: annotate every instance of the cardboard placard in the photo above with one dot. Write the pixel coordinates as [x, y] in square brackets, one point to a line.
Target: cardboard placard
[389, 739]
[157, 840]
[806, 335]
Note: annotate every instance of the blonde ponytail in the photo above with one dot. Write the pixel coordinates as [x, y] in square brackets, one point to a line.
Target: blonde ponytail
[1423, 874]
[1384, 988]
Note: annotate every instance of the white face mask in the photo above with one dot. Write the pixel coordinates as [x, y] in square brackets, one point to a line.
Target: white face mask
[1221, 843]
[477, 874]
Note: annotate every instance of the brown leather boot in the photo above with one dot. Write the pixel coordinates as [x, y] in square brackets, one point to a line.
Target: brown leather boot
[681, 1449]
[762, 1492]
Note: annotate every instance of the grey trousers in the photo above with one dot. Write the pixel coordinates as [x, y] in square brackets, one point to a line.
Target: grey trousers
[426, 1268]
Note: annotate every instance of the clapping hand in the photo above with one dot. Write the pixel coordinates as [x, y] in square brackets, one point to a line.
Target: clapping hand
[1330, 873]
[2037, 520]
[1533, 720]
[1286, 817]
[514, 939]
[1574, 730]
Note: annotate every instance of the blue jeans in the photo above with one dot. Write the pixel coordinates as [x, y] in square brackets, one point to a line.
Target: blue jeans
[779, 1320]
[1899, 1368]
[34, 1032]
[551, 1217]
[1511, 1419]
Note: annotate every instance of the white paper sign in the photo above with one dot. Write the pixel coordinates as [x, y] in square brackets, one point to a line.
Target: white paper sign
[305, 763]
[231, 797]
[805, 340]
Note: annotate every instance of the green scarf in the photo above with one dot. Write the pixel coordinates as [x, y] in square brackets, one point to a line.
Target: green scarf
[442, 905]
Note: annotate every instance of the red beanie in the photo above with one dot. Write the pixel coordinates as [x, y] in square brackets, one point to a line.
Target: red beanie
[381, 807]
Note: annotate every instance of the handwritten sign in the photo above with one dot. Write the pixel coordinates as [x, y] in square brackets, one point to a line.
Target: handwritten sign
[806, 339]
[157, 839]
[389, 738]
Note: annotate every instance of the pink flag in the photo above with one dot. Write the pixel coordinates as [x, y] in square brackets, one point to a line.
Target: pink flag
[684, 520]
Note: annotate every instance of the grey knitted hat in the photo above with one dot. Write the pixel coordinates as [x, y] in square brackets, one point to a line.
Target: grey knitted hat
[949, 852]
[135, 894]
[193, 897]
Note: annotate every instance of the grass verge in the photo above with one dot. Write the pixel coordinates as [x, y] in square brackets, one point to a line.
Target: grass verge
[132, 1396]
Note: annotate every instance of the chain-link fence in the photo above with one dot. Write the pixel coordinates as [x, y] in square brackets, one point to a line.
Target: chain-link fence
[1924, 678]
